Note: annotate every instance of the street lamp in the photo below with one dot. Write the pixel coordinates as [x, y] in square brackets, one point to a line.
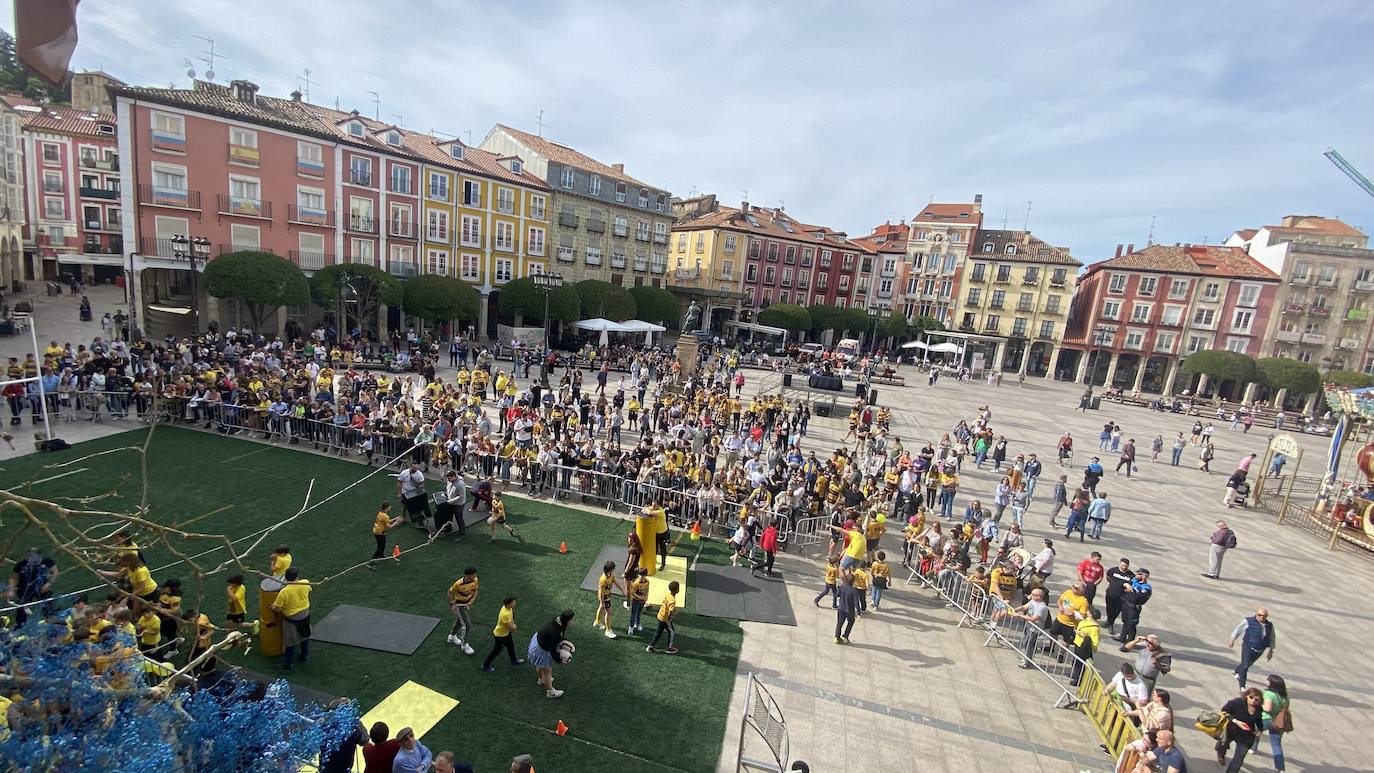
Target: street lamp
[1100, 335]
[548, 283]
[196, 250]
[876, 315]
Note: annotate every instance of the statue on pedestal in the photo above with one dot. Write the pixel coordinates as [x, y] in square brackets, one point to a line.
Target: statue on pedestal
[691, 320]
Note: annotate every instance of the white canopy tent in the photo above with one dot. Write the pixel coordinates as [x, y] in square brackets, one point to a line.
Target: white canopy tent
[606, 327]
[915, 345]
[640, 326]
[948, 347]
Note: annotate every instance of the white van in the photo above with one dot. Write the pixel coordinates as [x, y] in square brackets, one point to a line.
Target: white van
[813, 349]
[847, 348]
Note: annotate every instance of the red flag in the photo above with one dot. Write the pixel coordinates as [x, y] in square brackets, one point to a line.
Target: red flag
[45, 36]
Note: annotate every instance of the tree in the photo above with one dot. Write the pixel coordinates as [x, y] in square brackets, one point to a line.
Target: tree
[259, 280]
[854, 321]
[1299, 378]
[1350, 379]
[366, 287]
[523, 298]
[823, 317]
[896, 325]
[922, 324]
[1222, 366]
[605, 300]
[654, 304]
[788, 316]
[434, 298]
[15, 77]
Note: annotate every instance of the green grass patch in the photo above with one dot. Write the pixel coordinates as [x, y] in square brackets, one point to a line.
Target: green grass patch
[626, 709]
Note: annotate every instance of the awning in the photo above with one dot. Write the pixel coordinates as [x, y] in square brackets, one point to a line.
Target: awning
[945, 347]
[640, 326]
[915, 345]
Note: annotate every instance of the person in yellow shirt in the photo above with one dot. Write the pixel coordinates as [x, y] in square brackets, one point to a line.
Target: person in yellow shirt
[1004, 582]
[505, 635]
[605, 589]
[134, 572]
[382, 524]
[861, 584]
[205, 631]
[498, 518]
[279, 562]
[874, 528]
[667, 610]
[293, 604]
[461, 595]
[236, 605]
[149, 632]
[881, 572]
[1086, 637]
[1073, 607]
[832, 573]
[638, 591]
[855, 545]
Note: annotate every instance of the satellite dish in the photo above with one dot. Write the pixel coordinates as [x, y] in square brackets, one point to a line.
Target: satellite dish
[191, 72]
[209, 75]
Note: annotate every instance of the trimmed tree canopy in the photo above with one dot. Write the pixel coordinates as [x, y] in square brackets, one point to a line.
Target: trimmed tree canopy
[436, 298]
[922, 324]
[854, 321]
[788, 316]
[259, 280]
[823, 317]
[367, 288]
[896, 325]
[1222, 365]
[1351, 379]
[603, 299]
[1298, 378]
[654, 304]
[523, 297]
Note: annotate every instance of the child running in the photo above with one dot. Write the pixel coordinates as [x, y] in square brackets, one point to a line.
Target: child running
[504, 632]
[498, 518]
[461, 594]
[605, 588]
[832, 571]
[666, 611]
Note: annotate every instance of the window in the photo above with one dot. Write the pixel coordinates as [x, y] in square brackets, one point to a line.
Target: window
[169, 182]
[1301, 270]
[436, 262]
[787, 277]
[1047, 329]
[825, 258]
[1173, 315]
[1204, 317]
[52, 182]
[310, 202]
[1116, 283]
[505, 200]
[312, 245]
[1111, 310]
[1032, 276]
[1147, 285]
[1164, 342]
[53, 208]
[620, 192]
[472, 231]
[1237, 345]
[472, 193]
[309, 159]
[849, 261]
[438, 186]
[456, 150]
[1134, 339]
[1249, 296]
[245, 197]
[403, 253]
[470, 266]
[727, 268]
[402, 223]
[1211, 292]
[505, 236]
[791, 255]
[975, 296]
[806, 256]
[360, 213]
[568, 177]
[537, 207]
[980, 270]
[1326, 275]
[400, 178]
[754, 249]
[1178, 289]
[989, 247]
[661, 203]
[594, 185]
[783, 296]
[642, 231]
[52, 154]
[1018, 327]
[729, 244]
[360, 171]
[1197, 343]
[245, 237]
[1140, 312]
[661, 232]
[770, 275]
[505, 270]
[643, 198]
[517, 168]
[999, 299]
[163, 123]
[243, 137]
[355, 128]
[534, 245]
[949, 263]
[1052, 304]
[701, 242]
[1011, 249]
[751, 273]
[363, 251]
[822, 280]
[436, 229]
[1241, 321]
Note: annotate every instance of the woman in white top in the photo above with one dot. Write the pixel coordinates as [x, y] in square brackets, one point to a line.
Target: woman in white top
[1044, 560]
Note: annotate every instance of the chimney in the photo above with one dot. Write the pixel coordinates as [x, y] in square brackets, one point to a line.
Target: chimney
[245, 91]
[978, 202]
[744, 207]
[1119, 247]
[619, 168]
[296, 95]
[1130, 248]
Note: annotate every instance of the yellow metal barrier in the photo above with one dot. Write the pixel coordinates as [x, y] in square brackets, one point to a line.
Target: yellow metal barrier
[1105, 711]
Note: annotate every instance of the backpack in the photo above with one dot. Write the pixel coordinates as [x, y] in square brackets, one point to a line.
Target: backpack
[1230, 540]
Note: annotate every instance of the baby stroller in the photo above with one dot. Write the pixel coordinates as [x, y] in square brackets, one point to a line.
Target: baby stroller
[1242, 494]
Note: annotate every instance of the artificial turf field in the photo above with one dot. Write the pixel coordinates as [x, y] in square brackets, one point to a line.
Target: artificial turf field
[626, 709]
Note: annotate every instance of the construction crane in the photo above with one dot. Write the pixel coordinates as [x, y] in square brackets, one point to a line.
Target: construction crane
[1350, 171]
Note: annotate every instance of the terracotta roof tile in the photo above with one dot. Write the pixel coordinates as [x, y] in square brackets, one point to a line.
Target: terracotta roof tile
[1230, 262]
[569, 157]
[765, 221]
[1029, 249]
[1326, 225]
[63, 120]
[945, 212]
[1246, 234]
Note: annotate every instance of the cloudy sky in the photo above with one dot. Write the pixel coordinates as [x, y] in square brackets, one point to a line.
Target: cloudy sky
[1207, 116]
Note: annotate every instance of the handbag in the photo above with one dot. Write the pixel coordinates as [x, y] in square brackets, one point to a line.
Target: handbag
[1213, 723]
[1282, 721]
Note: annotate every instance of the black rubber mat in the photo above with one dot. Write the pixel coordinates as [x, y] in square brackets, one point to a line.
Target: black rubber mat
[373, 629]
[732, 592]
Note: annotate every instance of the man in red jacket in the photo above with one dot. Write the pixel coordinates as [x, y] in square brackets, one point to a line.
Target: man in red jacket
[769, 543]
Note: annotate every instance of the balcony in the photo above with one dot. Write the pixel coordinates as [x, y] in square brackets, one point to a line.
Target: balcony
[401, 268]
[726, 276]
[1357, 315]
[617, 261]
[593, 257]
[1294, 308]
[111, 227]
[567, 219]
[1031, 281]
[641, 265]
[990, 327]
[154, 247]
[1348, 343]
[643, 236]
[620, 230]
[89, 192]
[438, 236]
[1025, 306]
[1058, 310]
[596, 226]
[92, 162]
[1002, 280]
[1288, 336]
[311, 261]
[967, 327]
[566, 254]
[401, 185]
[225, 249]
[244, 155]
[1316, 339]
[1328, 283]
[1300, 281]
[363, 224]
[323, 218]
[660, 238]
[401, 229]
[658, 268]
[172, 198]
[357, 177]
[1321, 311]
[242, 206]
[1018, 332]
[686, 274]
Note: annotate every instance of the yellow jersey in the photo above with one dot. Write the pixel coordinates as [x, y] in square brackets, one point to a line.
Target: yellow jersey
[294, 598]
[881, 569]
[604, 586]
[857, 547]
[831, 572]
[639, 589]
[1070, 602]
[505, 617]
[860, 579]
[381, 524]
[141, 581]
[667, 608]
[463, 590]
[280, 563]
[236, 605]
[149, 630]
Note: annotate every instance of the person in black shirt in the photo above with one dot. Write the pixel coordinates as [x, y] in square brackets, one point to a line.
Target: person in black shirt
[542, 649]
[1133, 599]
[32, 581]
[1244, 720]
[848, 601]
[1118, 579]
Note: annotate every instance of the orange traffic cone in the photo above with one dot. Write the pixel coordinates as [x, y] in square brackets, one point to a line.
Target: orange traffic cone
[562, 548]
[560, 728]
[696, 530]
[395, 551]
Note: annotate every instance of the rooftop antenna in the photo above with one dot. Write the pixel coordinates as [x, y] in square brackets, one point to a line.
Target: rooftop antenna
[468, 132]
[305, 81]
[208, 56]
[1026, 226]
[1150, 237]
[782, 204]
[539, 121]
[376, 105]
[446, 134]
[1006, 213]
[400, 119]
[336, 105]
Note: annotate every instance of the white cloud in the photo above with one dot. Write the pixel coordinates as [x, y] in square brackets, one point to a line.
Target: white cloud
[1212, 116]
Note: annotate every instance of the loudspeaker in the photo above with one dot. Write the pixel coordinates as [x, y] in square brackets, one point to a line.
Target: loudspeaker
[823, 409]
[872, 397]
[860, 389]
[787, 379]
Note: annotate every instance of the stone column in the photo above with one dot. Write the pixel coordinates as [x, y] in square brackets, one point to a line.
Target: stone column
[281, 324]
[1111, 369]
[482, 318]
[1202, 382]
[1310, 406]
[1169, 379]
[1279, 397]
[1248, 395]
[1139, 374]
[209, 311]
[1082, 376]
[1000, 356]
[383, 317]
[1054, 361]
